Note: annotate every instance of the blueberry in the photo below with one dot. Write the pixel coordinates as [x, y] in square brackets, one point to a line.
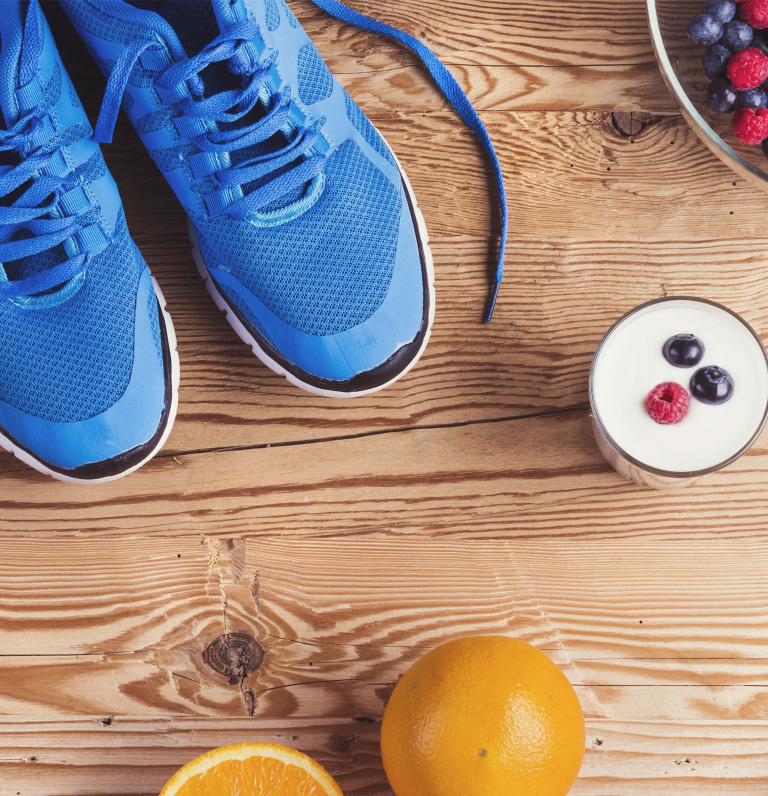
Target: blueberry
[758, 41]
[715, 60]
[712, 385]
[737, 35]
[723, 97]
[765, 147]
[705, 29]
[683, 350]
[723, 10]
[754, 98]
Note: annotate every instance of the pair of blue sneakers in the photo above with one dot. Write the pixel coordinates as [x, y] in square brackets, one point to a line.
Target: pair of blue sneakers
[304, 226]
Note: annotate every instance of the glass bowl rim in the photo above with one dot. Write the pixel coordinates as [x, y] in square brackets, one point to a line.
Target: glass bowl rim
[694, 118]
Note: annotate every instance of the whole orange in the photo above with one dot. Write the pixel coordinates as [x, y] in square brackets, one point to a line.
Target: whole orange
[483, 716]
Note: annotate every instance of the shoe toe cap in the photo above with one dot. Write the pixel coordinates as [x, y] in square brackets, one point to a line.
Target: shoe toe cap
[129, 431]
[361, 357]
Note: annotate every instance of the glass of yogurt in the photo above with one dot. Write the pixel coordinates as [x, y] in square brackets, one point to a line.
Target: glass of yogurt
[707, 364]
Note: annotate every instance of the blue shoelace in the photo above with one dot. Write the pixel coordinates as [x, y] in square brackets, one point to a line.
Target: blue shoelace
[454, 93]
[234, 47]
[181, 84]
[35, 211]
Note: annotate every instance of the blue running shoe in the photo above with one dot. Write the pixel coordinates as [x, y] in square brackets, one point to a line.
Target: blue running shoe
[88, 364]
[304, 226]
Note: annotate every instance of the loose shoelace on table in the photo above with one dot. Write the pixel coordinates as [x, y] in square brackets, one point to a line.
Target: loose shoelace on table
[454, 93]
[233, 46]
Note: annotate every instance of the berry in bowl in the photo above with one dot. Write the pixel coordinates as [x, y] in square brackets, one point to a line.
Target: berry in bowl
[678, 389]
[713, 55]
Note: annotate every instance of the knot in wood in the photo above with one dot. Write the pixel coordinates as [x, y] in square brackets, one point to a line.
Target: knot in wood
[235, 655]
[341, 743]
[629, 124]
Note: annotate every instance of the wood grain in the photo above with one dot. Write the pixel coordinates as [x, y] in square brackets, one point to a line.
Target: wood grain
[663, 636]
[376, 70]
[507, 33]
[276, 569]
[463, 481]
[134, 756]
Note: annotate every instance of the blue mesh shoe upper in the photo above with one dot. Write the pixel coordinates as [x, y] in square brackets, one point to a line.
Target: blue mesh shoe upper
[292, 277]
[74, 360]
[298, 206]
[297, 203]
[70, 274]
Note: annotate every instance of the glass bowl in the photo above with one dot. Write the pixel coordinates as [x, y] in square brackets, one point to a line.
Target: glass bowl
[680, 63]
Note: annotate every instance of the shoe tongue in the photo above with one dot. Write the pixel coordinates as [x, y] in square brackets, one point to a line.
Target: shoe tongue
[218, 78]
[11, 35]
[12, 32]
[192, 21]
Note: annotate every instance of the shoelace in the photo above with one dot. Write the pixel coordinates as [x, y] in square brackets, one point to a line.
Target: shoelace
[37, 210]
[232, 46]
[454, 93]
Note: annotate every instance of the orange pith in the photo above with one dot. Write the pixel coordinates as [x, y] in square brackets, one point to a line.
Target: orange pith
[252, 769]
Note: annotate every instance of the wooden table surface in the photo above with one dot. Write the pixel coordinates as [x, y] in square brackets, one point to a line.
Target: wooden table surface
[274, 570]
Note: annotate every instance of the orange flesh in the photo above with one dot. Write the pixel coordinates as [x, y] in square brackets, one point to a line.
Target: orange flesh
[254, 776]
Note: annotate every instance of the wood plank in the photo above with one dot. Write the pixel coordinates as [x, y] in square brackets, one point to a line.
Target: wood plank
[498, 34]
[401, 484]
[312, 632]
[135, 756]
[132, 685]
[57, 598]
[572, 174]
[123, 757]
[374, 71]
[148, 684]
[525, 68]
[620, 87]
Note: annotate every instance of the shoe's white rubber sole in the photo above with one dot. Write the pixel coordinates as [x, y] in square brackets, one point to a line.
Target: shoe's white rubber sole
[27, 458]
[247, 338]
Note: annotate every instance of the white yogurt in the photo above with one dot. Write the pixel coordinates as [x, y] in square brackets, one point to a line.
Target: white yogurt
[630, 364]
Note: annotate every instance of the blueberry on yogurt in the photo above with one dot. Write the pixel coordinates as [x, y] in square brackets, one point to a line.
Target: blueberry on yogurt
[683, 350]
[712, 385]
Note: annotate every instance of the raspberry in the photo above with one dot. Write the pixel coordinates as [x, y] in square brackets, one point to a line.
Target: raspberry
[668, 403]
[750, 125]
[748, 68]
[755, 13]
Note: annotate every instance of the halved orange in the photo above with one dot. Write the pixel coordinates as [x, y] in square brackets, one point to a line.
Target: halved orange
[255, 769]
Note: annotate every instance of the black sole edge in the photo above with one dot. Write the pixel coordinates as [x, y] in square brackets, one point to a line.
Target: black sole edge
[370, 379]
[111, 468]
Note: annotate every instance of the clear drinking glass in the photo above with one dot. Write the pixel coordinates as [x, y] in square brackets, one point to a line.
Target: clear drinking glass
[629, 362]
